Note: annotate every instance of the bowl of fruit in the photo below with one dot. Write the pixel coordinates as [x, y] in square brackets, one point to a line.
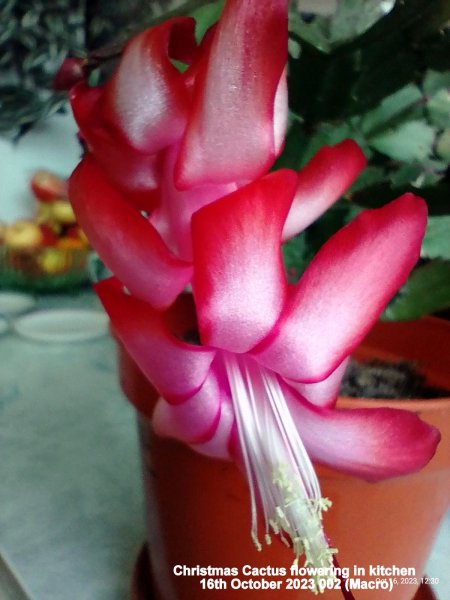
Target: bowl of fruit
[48, 252]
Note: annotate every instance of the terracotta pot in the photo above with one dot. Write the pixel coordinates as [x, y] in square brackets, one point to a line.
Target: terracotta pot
[198, 508]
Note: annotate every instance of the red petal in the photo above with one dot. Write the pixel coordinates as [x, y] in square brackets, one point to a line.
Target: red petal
[145, 99]
[323, 393]
[172, 217]
[193, 421]
[176, 369]
[83, 101]
[370, 443]
[239, 282]
[127, 243]
[201, 58]
[321, 182]
[230, 134]
[134, 172]
[218, 446]
[344, 290]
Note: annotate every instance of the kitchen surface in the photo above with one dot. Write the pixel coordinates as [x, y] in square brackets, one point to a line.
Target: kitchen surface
[71, 510]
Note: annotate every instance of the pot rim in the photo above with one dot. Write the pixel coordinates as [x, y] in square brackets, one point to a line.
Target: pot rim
[433, 331]
[412, 404]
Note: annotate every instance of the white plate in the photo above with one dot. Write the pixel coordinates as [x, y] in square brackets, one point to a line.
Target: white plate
[62, 325]
[4, 325]
[15, 303]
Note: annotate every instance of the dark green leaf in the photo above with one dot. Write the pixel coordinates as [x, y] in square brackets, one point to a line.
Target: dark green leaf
[372, 175]
[329, 134]
[315, 33]
[437, 196]
[436, 243]
[409, 141]
[438, 108]
[294, 148]
[330, 222]
[405, 173]
[443, 145]
[297, 254]
[357, 76]
[205, 16]
[299, 251]
[354, 17]
[393, 110]
[434, 81]
[427, 291]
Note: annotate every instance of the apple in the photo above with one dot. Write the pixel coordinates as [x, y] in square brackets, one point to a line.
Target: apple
[44, 217]
[23, 235]
[62, 212]
[52, 261]
[44, 213]
[75, 232]
[47, 187]
[71, 243]
[49, 237]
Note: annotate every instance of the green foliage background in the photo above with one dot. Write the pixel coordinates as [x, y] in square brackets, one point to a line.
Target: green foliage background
[388, 88]
[35, 36]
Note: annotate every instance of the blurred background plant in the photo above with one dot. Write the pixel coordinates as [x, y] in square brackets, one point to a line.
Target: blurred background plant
[377, 71]
[35, 36]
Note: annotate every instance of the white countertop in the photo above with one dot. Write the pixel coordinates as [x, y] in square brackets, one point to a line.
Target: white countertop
[70, 497]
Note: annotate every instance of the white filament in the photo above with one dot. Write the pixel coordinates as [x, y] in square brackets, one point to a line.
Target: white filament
[279, 471]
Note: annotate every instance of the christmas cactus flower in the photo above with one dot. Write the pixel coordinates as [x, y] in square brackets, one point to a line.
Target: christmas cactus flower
[175, 190]
[171, 142]
[261, 384]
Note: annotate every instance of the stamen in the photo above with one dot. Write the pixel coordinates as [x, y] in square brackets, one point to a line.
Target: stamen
[280, 474]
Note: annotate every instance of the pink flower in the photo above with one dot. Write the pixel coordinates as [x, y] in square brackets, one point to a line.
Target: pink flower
[245, 306]
[134, 248]
[262, 386]
[169, 143]
[173, 191]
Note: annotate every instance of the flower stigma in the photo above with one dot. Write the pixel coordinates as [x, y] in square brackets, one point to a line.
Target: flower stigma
[280, 475]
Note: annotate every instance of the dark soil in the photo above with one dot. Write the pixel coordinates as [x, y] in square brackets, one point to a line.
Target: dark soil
[377, 379]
